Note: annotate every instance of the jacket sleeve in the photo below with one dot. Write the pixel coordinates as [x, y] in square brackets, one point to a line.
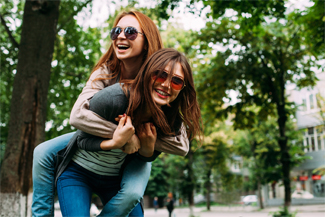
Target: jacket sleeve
[178, 145]
[89, 142]
[84, 119]
[107, 103]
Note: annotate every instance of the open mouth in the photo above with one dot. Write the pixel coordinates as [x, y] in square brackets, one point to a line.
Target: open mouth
[162, 93]
[123, 47]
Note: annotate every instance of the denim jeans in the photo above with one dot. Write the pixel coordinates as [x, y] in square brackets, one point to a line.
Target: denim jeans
[76, 185]
[134, 180]
[43, 174]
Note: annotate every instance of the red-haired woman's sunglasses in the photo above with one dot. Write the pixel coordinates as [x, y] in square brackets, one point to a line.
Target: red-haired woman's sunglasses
[130, 32]
[177, 83]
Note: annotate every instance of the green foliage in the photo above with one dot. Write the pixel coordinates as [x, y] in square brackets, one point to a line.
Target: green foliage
[312, 24]
[256, 65]
[12, 15]
[252, 12]
[158, 181]
[76, 52]
[259, 148]
[229, 186]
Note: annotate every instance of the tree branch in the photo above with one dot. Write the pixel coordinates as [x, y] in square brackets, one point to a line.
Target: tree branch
[11, 37]
[73, 14]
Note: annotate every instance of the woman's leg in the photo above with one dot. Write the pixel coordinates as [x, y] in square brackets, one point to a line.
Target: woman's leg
[134, 182]
[74, 192]
[43, 174]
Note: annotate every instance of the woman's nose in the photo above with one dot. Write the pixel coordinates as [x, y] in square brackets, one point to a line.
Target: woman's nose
[121, 35]
[166, 83]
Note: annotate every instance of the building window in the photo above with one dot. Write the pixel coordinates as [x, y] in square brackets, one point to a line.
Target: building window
[311, 101]
[314, 138]
[319, 142]
[304, 105]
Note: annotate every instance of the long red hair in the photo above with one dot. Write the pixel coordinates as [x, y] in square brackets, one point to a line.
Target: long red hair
[153, 42]
[168, 118]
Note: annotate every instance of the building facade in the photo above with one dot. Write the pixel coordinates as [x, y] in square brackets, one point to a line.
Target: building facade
[311, 120]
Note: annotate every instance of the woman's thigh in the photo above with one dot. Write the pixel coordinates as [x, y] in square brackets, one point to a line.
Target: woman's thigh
[106, 187]
[74, 192]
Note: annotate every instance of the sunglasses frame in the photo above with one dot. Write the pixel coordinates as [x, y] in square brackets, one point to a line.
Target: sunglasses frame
[171, 80]
[124, 29]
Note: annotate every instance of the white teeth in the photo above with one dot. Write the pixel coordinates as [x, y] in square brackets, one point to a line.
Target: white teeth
[122, 46]
[162, 93]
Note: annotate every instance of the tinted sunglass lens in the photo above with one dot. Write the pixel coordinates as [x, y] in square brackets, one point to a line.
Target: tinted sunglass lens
[177, 83]
[130, 33]
[160, 78]
[115, 32]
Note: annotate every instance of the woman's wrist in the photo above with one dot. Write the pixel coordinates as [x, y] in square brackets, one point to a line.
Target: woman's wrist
[108, 144]
[146, 153]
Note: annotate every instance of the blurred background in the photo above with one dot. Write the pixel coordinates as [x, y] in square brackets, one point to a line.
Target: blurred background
[259, 75]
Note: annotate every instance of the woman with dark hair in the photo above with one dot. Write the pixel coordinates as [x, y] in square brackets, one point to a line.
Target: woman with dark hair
[134, 38]
[156, 103]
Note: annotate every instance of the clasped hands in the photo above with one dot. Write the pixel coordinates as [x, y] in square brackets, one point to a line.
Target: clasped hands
[124, 137]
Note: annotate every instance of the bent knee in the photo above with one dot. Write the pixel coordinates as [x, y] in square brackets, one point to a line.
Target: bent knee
[43, 156]
[134, 197]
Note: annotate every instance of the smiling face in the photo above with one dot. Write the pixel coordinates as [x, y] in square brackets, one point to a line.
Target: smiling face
[129, 50]
[164, 93]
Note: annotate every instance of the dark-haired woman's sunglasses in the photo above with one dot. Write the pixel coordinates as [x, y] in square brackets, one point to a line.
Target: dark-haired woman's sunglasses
[130, 32]
[177, 83]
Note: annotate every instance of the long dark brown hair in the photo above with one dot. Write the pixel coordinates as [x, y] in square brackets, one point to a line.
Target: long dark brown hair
[168, 118]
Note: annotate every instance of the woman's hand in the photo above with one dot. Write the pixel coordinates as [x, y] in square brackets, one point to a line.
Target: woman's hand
[132, 145]
[147, 135]
[121, 136]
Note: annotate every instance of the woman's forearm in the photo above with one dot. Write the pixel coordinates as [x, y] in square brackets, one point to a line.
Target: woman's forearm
[84, 119]
[178, 145]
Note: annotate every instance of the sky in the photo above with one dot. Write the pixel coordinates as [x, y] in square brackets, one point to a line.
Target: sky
[103, 8]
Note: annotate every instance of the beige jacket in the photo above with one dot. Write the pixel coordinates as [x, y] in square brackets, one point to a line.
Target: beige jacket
[84, 119]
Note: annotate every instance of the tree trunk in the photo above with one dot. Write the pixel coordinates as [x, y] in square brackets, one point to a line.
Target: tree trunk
[285, 161]
[190, 181]
[285, 156]
[208, 188]
[260, 194]
[29, 97]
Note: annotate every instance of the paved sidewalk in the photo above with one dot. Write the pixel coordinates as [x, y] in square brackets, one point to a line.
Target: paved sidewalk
[238, 211]
[233, 211]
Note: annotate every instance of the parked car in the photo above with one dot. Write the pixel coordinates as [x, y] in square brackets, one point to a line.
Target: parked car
[249, 199]
[302, 194]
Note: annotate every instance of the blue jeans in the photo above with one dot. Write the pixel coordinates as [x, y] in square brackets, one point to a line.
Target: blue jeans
[76, 185]
[134, 180]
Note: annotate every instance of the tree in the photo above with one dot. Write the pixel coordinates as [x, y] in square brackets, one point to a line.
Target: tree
[26, 126]
[28, 101]
[259, 148]
[214, 157]
[258, 64]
